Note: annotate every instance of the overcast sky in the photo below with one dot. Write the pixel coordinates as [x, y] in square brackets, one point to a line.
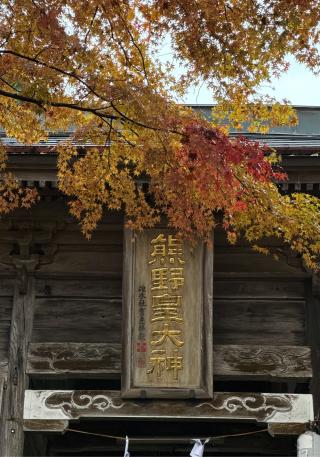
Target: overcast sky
[299, 86]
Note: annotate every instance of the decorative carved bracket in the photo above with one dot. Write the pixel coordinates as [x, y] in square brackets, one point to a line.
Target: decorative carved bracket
[29, 249]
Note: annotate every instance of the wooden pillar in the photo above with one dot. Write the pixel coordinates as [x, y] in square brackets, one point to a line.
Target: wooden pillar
[313, 328]
[3, 378]
[24, 263]
[11, 424]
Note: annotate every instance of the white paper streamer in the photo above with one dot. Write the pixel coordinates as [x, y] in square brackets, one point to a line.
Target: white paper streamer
[198, 448]
[126, 449]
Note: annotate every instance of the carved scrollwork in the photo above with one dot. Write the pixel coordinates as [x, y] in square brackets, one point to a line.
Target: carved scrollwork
[75, 357]
[260, 406]
[75, 402]
[273, 361]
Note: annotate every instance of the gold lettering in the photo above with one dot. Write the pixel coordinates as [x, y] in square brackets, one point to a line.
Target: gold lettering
[166, 317]
[164, 333]
[159, 250]
[176, 278]
[166, 308]
[157, 361]
[174, 363]
[160, 362]
[159, 278]
[175, 250]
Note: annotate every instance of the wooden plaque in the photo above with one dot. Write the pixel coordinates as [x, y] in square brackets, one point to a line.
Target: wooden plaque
[167, 318]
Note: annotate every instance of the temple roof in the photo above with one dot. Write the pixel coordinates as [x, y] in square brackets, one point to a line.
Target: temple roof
[299, 146]
[303, 138]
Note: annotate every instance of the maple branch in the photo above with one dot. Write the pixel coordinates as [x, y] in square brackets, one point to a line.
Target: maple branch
[8, 84]
[42, 104]
[75, 106]
[45, 48]
[119, 43]
[91, 24]
[133, 42]
[57, 69]
[117, 132]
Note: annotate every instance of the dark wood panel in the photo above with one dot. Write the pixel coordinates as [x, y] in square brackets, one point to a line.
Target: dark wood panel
[6, 287]
[85, 262]
[258, 288]
[229, 361]
[83, 287]
[4, 345]
[6, 267]
[5, 308]
[78, 320]
[237, 259]
[265, 322]
[104, 236]
[230, 287]
[5, 322]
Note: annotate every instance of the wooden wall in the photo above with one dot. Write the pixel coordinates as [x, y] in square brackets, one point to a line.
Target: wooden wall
[77, 297]
[257, 300]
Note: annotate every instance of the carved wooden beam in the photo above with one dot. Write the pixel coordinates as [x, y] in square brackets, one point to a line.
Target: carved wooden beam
[229, 361]
[50, 405]
[287, 429]
[263, 362]
[3, 366]
[74, 358]
[35, 425]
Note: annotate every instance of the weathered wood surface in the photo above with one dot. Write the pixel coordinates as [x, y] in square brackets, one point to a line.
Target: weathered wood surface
[35, 425]
[11, 428]
[2, 384]
[229, 361]
[256, 321]
[74, 358]
[69, 405]
[236, 321]
[243, 259]
[239, 286]
[227, 285]
[313, 327]
[6, 298]
[263, 362]
[86, 276]
[73, 319]
[92, 259]
[3, 365]
[287, 429]
[99, 286]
